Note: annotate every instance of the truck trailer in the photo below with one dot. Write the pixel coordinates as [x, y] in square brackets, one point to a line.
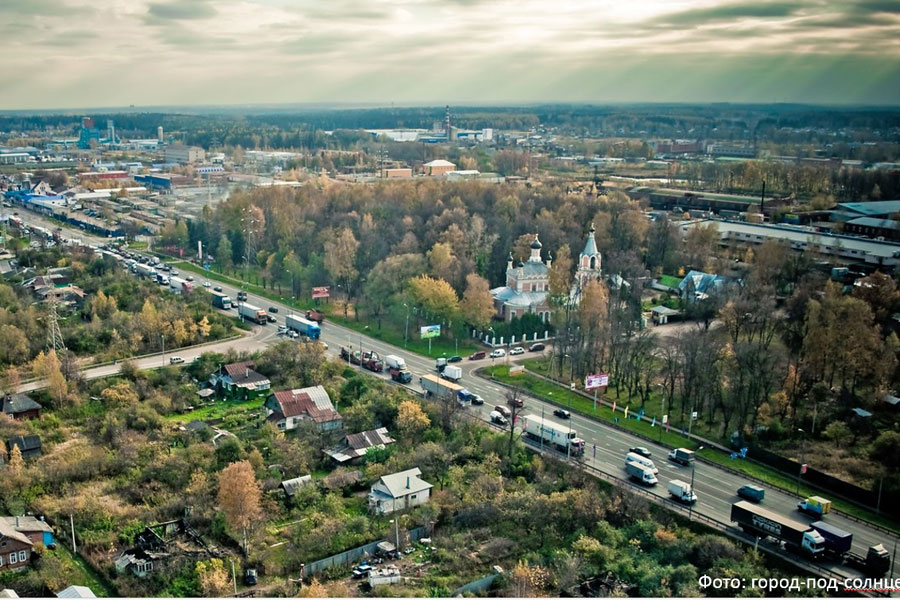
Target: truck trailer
[253, 313]
[220, 300]
[839, 545]
[304, 327]
[761, 522]
[452, 372]
[394, 362]
[180, 286]
[564, 438]
[145, 271]
[435, 386]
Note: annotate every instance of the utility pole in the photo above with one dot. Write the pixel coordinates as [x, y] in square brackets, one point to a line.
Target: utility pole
[75, 546]
[406, 334]
[233, 577]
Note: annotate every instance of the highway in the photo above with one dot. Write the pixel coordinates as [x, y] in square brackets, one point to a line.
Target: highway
[606, 446]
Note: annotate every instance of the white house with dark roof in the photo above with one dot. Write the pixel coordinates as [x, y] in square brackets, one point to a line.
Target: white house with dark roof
[399, 491]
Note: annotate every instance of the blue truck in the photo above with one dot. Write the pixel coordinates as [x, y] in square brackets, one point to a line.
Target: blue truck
[837, 541]
[220, 300]
[304, 327]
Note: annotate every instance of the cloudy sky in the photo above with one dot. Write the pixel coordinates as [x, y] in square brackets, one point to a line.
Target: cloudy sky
[94, 53]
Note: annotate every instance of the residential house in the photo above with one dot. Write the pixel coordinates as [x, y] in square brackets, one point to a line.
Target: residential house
[36, 530]
[239, 380]
[15, 548]
[139, 562]
[438, 167]
[399, 491]
[292, 486]
[355, 445]
[68, 294]
[20, 407]
[29, 445]
[288, 408]
[76, 591]
[698, 285]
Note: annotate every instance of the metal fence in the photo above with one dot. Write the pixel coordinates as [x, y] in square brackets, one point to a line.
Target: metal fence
[350, 556]
[474, 587]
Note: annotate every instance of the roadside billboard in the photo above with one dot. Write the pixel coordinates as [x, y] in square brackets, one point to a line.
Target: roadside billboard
[321, 292]
[595, 381]
[430, 331]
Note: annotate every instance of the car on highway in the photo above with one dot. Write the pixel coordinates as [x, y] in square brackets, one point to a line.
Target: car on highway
[517, 402]
[539, 347]
[189, 278]
[218, 288]
[273, 309]
[293, 334]
[641, 451]
[271, 319]
[175, 360]
[282, 329]
[477, 400]
[174, 273]
[562, 413]
[477, 355]
[517, 350]
[206, 284]
[498, 353]
[454, 359]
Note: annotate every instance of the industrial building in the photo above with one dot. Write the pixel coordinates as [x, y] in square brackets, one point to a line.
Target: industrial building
[184, 155]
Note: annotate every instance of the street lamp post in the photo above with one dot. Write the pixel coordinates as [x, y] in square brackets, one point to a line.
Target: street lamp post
[491, 329]
[406, 334]
[693, 469]
[802, 456]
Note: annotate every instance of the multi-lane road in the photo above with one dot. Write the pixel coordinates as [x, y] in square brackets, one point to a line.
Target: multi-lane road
[606, 446]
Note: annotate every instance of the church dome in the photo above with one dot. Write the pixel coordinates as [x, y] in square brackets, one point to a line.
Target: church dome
[536, 244]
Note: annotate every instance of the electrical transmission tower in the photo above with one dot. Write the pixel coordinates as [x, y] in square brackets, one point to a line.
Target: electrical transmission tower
[54, 335]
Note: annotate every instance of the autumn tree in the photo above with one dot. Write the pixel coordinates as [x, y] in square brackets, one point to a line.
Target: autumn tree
[213, 578]
[239, 499]
[560, 275]
[14, 344]
[120, 394]
[411, 419]
[16, 462]
[477, 305]
[435, 296]
[340, 259]
[47, 366]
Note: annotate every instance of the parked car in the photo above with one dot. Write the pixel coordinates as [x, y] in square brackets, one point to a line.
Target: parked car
[498, 353]
[250, 577]
[517, 350]
[361, 571]
[477, 355]
[273, 309]
[176, 360]
[562, 413]
[218, 288]
[640, 450]
[206, 284]
[537, 347]
[454, 359]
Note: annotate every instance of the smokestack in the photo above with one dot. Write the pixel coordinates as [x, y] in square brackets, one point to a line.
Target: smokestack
[159, 133]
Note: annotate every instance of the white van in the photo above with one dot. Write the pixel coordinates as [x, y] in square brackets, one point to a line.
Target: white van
[631, 457]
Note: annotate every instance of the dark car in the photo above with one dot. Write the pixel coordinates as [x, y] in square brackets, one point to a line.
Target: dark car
[537, 347]
[640, 450]
[271, 319]
[218, 288]
[477, 355]
[273, 309]
[250, 577]
[454, 359]
[562, 413]
[517, 402]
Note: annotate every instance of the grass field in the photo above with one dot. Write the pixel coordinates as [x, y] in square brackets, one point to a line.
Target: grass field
[389, 332]
[670, 281]
[575, 402]
[218, 410]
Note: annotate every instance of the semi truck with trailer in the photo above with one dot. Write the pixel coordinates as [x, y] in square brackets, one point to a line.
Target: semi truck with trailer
[253, 313]
[315, 315]
[761, 522]
[565, 439]
[368, 360]
[394, 362]
[641, 474]
[839, 545]
[435, 386]
[220, 300]
[145, 271]
[180, 286]
[304, 327]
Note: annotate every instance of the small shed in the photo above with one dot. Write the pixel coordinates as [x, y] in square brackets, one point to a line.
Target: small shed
[292, 486]
[862, 413]
[29, 445]
[662, 314]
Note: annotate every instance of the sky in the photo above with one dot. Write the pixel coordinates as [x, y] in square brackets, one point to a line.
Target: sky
[102, 53]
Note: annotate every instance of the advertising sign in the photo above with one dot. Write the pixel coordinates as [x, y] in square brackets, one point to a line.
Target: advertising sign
[321, 292]
[430, 331]
[596, 381]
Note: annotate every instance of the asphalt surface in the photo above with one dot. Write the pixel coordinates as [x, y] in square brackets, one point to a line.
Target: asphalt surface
[606, 446]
